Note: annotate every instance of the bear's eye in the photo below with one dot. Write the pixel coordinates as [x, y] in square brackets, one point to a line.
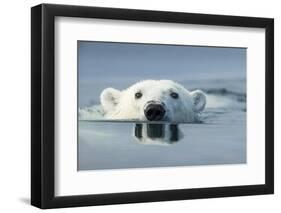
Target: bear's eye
[174, 95]
[138, 95]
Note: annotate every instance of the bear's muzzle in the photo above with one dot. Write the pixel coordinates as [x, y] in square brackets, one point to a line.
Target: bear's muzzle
[154, 111]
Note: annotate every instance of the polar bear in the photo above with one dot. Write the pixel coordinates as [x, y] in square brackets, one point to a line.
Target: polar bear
[153, 100]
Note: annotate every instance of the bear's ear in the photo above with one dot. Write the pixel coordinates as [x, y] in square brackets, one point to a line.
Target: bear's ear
[199, 100]
[109, 98]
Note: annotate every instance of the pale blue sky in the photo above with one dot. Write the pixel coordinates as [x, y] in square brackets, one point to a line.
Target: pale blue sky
[109, 64]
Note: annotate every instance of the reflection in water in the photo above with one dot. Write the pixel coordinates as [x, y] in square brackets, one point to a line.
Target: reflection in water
[158, 133]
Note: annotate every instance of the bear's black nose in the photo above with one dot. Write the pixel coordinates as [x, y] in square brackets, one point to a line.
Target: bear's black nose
[154, 111]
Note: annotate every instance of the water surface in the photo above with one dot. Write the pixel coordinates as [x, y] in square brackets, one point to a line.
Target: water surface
[219, 139]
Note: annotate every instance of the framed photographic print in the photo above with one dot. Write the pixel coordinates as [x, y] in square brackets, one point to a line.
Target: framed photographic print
[139, 106]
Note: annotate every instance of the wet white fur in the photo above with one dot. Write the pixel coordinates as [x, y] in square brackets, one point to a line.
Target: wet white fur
[123, 104]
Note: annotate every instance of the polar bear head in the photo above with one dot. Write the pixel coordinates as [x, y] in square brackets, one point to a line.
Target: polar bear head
[153, 100]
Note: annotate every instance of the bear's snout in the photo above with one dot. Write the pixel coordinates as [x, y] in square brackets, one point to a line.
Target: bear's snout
[154, 111]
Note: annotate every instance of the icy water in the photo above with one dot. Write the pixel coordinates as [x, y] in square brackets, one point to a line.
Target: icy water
[219, 139]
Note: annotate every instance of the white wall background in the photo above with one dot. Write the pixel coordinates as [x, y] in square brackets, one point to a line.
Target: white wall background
[15, 105]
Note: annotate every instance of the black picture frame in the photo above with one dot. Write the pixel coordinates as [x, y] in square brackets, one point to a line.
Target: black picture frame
[43, 102]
